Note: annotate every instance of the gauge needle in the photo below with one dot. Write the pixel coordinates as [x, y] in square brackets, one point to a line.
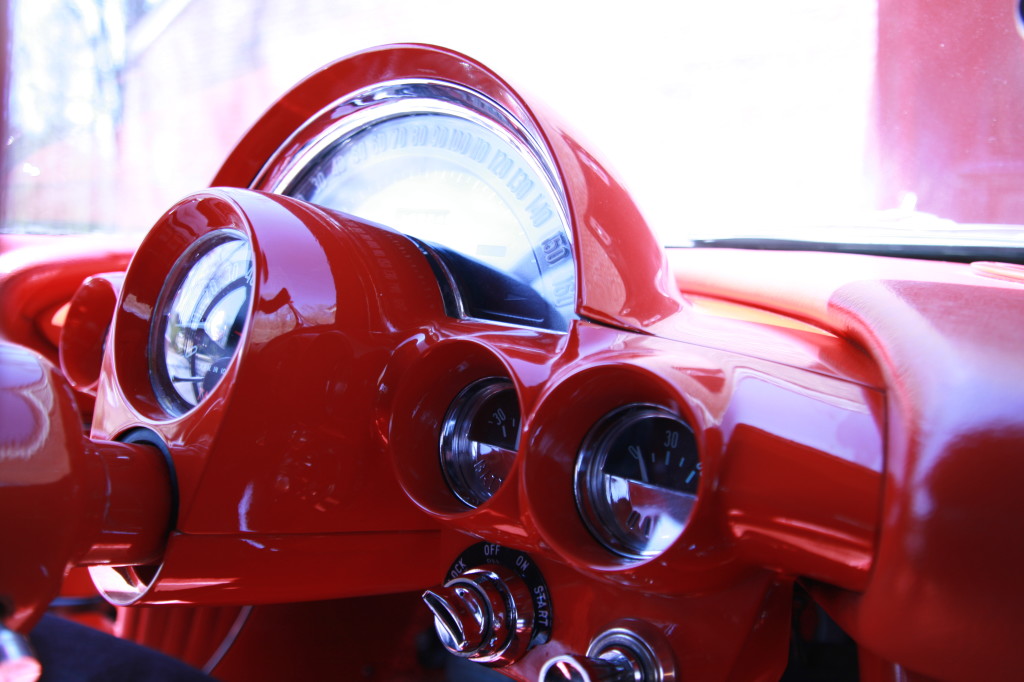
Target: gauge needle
[639, 457]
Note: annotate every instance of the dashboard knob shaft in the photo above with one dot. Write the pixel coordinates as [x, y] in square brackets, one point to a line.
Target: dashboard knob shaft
[17, 660]
[610, 668]
[617, 655]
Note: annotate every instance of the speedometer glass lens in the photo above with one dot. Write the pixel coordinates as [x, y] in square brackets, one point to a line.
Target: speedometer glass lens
[479, 439]
[637, 476]
[461, 178]
[199, 319]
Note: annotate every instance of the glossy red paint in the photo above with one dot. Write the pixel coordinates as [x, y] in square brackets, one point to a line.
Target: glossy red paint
[858, 421]
[83, 335]
[42, 455]
[39, 275]
[352, 366]
[76, 500]
[84, 332]
[322, 322]
[614, 247]
[193, 634]
[945, 338]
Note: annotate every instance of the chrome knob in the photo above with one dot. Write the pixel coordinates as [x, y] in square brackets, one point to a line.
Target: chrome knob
[461, 614]
[484, 614]
[616, 655]
[17, 661]
[610, 667]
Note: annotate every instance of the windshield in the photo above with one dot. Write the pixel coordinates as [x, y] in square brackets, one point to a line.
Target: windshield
[852, 121]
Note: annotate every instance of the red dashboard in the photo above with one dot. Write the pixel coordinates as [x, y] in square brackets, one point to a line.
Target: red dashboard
[631, 462]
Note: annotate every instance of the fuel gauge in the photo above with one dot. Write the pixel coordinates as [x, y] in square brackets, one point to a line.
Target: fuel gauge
[479, 439]
[637, 476]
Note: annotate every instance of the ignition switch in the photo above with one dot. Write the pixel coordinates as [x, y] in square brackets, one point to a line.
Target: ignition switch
[493, 606]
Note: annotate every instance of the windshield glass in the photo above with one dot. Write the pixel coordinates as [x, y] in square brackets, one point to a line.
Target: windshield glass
[848, 120]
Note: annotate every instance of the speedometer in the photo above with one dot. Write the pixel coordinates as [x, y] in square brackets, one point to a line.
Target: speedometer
[452, 169]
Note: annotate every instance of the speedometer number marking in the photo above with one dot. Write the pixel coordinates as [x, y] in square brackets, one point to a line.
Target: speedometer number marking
[540, 212]
[556, 248]
[565, 291]
[520, 184]
[501, 165]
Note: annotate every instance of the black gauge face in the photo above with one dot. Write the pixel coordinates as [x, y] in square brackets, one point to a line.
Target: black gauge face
[479, 439]
[199, 319]
[637, 477]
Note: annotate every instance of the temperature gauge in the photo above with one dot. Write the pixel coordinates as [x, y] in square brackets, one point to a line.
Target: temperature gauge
[479, 439]
[637, 476]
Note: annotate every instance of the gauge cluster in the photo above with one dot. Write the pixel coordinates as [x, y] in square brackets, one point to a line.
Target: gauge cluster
[418, 322]
[414, 364]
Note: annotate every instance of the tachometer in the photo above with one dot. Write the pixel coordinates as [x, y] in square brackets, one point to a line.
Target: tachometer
[199, 319]
[637, 476]
[451, 168]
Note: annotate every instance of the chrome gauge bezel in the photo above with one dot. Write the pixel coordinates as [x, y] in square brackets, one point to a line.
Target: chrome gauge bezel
[160, 348]
[525, 181]
[464, 471]
[599, 497]
[390, 99]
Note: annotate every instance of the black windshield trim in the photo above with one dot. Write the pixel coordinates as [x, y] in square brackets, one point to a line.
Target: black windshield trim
[959, 253]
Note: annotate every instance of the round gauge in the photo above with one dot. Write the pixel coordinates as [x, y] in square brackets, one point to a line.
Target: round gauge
[479, 439]
[451, 169]
[637, 476]
[199, 318]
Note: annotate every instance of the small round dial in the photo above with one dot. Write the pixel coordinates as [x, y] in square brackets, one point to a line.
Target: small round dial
[637, 476]
[199, 319]
[479, 439]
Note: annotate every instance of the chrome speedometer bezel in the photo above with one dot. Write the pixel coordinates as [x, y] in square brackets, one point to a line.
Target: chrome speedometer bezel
[400, 97]
[345, 129]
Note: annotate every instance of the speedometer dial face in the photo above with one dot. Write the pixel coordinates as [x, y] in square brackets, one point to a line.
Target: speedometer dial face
[199, 319]
[637, 476]
[462, 182]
